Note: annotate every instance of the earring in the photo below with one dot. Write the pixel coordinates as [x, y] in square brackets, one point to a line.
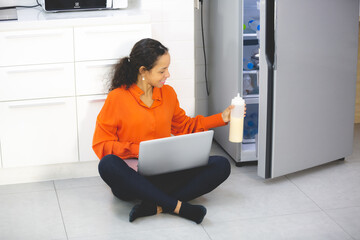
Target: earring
[143, 78]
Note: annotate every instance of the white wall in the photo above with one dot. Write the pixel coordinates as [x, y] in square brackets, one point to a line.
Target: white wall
[5, 3]
[201, 99]
[173, 24]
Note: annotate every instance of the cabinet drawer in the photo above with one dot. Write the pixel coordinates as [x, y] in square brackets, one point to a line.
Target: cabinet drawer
[37, 81]
[36, 47]
[93, 77]
[88, 109]
[38, 132]
[108, 42]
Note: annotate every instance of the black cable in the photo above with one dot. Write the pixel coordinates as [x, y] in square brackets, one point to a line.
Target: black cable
[20, 6]
[203, 40]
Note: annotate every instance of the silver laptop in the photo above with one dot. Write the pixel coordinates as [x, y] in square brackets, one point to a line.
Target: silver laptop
[176, 153]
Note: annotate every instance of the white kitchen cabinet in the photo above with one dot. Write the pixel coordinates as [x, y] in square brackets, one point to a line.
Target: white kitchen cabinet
[51, 95]
[107, 42]
[37, 81]
[88, 108]
[54, 74]
[0, 153]
[92, 77]
[38, 132]
[36, 46]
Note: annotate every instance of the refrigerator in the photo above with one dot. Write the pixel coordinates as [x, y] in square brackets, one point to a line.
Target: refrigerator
[296, 70]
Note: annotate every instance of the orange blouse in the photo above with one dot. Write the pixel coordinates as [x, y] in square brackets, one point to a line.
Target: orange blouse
[125, 121]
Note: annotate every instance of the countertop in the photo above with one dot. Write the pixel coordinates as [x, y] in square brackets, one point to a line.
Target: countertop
[33, 18]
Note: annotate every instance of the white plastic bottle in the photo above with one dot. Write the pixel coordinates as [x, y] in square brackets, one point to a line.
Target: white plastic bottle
[247, 85]
[247, 64]
[237, 120]
[254, 24]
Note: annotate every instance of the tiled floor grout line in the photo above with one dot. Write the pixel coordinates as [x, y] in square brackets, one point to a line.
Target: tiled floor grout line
[62, 217]
[206, 232]
[267, 216]
[339, 225]
[324, 211]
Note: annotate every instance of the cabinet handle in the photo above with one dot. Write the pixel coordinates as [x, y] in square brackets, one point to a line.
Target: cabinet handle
[99, 65]
[36, 70]
[113, 31]
[30, 35]
[35, 104]
[100, 99]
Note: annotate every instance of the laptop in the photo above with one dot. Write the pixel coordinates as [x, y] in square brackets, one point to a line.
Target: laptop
[175, 153]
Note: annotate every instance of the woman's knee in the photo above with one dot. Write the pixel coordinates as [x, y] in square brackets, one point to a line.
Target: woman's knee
[111, 170]
[111, 165]
[106, 163]
[221, 164]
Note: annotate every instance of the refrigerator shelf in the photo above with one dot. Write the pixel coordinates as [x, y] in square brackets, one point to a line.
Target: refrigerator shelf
[246, 141]
[248, 152]
[254, 96]
[250, 35]
[250, 71]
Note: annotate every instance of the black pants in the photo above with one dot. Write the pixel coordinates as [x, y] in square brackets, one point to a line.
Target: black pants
[166, 189]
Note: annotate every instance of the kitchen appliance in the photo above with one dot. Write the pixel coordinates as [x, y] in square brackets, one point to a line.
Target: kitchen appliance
[7, 13]
[301, 96]
[77, 5]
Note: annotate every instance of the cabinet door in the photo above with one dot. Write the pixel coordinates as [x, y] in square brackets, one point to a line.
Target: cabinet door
[38, 132]
[92, 77]
[108, 42]
[37, 81]
[1, 164]
[88, 109]
[36, 46]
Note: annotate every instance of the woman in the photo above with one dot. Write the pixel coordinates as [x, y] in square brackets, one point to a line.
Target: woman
[140, 107]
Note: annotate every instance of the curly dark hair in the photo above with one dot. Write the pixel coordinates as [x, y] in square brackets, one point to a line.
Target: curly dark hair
[144, 53]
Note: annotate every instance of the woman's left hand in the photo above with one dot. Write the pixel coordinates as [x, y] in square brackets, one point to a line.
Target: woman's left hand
[226, 113]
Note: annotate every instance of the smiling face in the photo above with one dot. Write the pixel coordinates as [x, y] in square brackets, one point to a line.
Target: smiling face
[156, 77]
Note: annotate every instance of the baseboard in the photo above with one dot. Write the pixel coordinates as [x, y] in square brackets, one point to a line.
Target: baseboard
[48, 172]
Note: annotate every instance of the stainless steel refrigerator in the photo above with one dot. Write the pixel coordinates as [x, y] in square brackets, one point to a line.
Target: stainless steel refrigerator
[297, 75]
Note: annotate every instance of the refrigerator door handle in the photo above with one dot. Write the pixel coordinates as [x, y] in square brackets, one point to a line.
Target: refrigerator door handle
[270, 33]
[270, 57]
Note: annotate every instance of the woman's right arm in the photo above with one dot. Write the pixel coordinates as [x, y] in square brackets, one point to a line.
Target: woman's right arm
[105, 140]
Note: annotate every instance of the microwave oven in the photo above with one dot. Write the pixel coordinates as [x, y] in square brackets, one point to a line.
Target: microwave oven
[77, 5]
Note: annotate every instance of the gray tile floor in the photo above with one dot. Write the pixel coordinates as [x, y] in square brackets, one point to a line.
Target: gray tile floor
[319, 203]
